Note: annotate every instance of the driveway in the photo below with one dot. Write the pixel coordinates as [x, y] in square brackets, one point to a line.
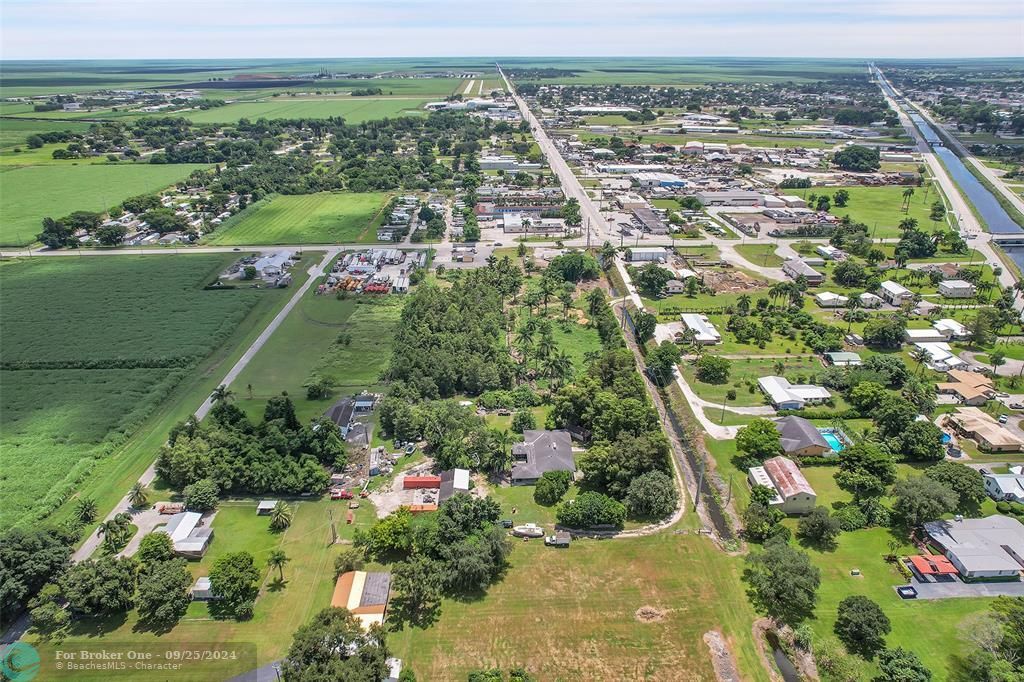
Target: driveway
[958, 589]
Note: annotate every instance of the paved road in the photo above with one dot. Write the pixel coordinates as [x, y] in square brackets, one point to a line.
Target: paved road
[961, 208]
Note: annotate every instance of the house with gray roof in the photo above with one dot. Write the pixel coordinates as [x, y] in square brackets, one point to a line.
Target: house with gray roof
[981, 549]
[539, 452]
[1005, 487]
[800, 438]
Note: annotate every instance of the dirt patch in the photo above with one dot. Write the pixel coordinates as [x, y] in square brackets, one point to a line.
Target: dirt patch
[726, 669]
[730, 281]
[650, 614]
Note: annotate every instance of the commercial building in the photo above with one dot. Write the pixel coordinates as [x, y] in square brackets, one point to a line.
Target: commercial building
[829, 252]
[894, 293]
[786, 396]
[539, 452]
[272, 266]
[793, 494]
[796, 267]
[364, 594]
[631, 200]
[988, 433]
[506, 162]
[981, 549]
[649, 179]
[957, 288]
[628, 168]
[649, 221]
[704, 331]
[729, 197]
[647, 253]
[800, 438]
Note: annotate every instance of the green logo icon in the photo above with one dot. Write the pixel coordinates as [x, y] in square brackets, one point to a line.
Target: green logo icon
[19, 662]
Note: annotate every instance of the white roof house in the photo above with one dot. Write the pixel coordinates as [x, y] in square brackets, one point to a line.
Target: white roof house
[272, 265]
[705, 331]
[940, 356]
[923, 335]
[647, 253]
[869, 300]
[827, 299]
[1005, 487]
[957, 288]
[829, 252]
[787, 396]
[894, 293]
[951, 329]
[188, 537]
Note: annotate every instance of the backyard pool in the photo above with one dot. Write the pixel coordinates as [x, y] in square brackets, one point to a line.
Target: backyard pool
[833, 441]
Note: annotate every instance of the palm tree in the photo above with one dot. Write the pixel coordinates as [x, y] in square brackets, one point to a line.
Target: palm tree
[280, 516]
[851, 305]
[559, 367]
[921, 356]
[137, 496]
[743, 304]
[221, 394]
[526, 225]
[277, 559]
[503, 439]
[607, 254]
[908, 224]
[546, 347]
[86, 510]
[907, 194]
[779, 367]
[547, 287]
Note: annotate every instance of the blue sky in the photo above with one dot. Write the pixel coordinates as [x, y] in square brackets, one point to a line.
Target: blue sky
[41, 29]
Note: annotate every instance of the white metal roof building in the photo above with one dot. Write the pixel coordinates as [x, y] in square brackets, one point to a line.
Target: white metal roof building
[827, 299]
[956, 288]
[894, 293]
[951, 329]
[787, 396]
[705, 331]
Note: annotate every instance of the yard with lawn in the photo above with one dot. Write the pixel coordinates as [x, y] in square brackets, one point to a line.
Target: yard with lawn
[743, 378]
[32, 193]
[760, 254]
[322, 218]
[281, 606]
[584, 624]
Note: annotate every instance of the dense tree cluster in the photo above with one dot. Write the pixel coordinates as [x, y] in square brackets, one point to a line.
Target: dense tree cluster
[277, 455]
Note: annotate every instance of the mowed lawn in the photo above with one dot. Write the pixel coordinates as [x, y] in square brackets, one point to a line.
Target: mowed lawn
[352, 109]
[90, 347]
[279, 610]
[35, 192]
[571, 615]
[880, 208]
[322, 218]
[307, 344]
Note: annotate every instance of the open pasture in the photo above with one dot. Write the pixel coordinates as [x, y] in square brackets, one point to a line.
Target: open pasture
[322, 218]
[352, 109]
[34, 192]
[582, 625]
[14, 132]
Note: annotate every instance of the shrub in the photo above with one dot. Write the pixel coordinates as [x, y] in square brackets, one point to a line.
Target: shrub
[1003, 507]
[850, 518]
[551, 487]
[591, 509]
[652, 496]
[523, 421]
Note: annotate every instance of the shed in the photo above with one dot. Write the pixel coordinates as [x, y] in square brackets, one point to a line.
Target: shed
[202, 590]
[265, 507]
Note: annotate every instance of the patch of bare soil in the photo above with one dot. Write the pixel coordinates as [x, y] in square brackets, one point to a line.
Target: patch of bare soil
[730, 281]
[650, 614]
[722, 659]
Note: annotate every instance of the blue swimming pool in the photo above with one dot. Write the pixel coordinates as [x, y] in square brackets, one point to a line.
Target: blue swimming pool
[833, 441]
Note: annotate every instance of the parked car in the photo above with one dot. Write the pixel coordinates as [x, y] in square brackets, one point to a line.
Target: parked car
[1002, 418]
[1016, 406]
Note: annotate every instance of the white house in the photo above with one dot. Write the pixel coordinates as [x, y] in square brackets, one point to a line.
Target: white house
[1005, 487]
[829, 252]
[894, 293]
[793, 494]
[827, 299]
[787, 396]
[951, 329]
[940, 356]
[705, 332]
[923, 335]
[647, 253]
[869, 300]
[272, 265]
[957, 288]
[981, 549]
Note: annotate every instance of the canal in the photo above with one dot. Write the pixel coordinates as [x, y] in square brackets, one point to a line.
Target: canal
[988, 207]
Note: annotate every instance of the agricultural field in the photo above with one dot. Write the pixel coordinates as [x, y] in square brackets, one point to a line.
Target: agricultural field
[594, 600]
[15, 132]
[322, 218]
[32, 193]
[352, 109]
[78, 383]
[307, 343]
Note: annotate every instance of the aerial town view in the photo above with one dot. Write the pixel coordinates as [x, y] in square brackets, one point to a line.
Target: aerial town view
[512, 342]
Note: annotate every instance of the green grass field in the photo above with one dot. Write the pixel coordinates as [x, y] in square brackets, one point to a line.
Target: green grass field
[322, 218]
[352, 109]
[760, 254]
[35, 192]
[581, 623]
[880, 207]
[745, 373]
[78, 384]
[306, 344]
[14, 132]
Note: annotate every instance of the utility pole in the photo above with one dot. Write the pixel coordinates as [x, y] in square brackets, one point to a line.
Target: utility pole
[334, 530]
[700, 484]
